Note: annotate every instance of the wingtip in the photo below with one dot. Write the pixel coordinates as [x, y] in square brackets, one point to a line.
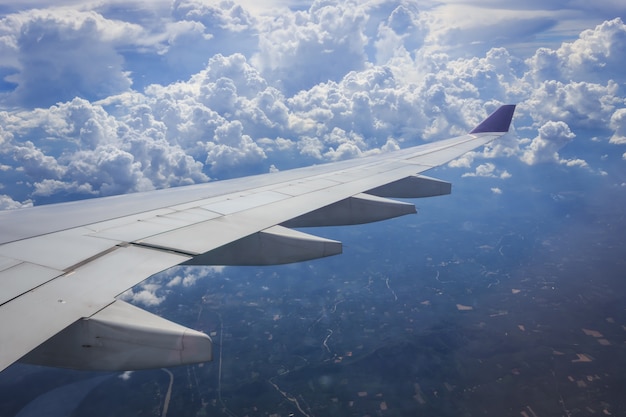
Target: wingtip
[498, 121]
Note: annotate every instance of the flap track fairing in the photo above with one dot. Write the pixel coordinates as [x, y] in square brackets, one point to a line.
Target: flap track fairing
[122, 337]
[415, 186]
[273, 246]
[359, 209]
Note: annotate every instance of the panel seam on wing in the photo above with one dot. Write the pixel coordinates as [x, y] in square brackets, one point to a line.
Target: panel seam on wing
[162, 249]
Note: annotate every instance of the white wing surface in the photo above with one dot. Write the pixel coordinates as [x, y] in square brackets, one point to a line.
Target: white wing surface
[62, 266]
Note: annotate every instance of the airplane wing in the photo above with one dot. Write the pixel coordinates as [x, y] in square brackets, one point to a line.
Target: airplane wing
[63, 266]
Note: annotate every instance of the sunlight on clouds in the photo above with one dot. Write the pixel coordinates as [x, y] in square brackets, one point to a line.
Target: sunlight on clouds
[183, 92]
[464, 161]
[488, 170]
[54, 52]
[145, 296]
[7, 203]
[581, 163]
[543, 148]
[618, 124]
[154, 291]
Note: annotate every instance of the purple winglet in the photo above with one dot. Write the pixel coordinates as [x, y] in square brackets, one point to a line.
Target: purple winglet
[498, 121]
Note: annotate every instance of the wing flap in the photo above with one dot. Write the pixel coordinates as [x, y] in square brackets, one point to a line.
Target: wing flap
[245, 201]
[137, 229]
[362, 208]
[61, 250]
[274, 246]
[202, 237]
[31, 276]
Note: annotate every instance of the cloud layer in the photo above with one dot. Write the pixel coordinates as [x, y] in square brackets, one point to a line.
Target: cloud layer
[99, 102]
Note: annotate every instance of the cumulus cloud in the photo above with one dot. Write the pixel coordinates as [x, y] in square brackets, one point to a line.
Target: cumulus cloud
[282, 89]
[232, 148]
[488, 170]
[35, 163]
[597, 53]
[53, 53]
[303, 48]
[544, 147]
[156, 289]
[581, 82]
[576, 162]
[582, 104]
[202, 29]
[144, 294]
[88, 151]
[7, 203]
[618, 124]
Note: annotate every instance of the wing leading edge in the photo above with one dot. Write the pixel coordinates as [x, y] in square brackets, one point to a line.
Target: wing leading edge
[60, 279]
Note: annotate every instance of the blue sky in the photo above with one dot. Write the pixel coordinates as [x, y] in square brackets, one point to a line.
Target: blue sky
[101, 98]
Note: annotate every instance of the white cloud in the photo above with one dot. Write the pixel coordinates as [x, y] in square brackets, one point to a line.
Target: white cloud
[334, 81]
[35, 163]
[597, 54]
[618, 124]
[156, 289]
[464, 161]
[53, 53]
[125, 376]
[177, 280]
[7, 203]
[581, 163]
[496, 190]
[300, 49]
[232, 148]
[48, 187]
[145, 294]
[581, 104]
[544, 148]
[488, 170]
[483, 170]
